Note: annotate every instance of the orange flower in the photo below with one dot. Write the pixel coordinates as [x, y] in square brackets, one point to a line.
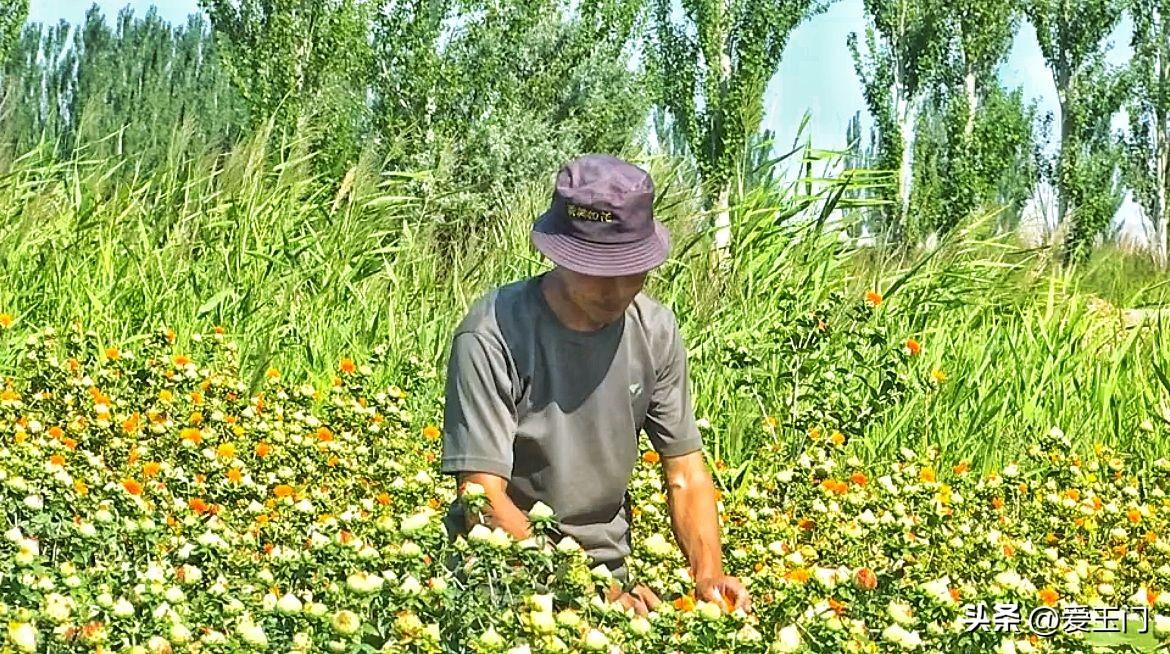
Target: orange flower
[191, 434]
[56, 432]
[1134, 516]
[225, 450]
[865, 579]
[196, 398]
[837, 438]
[838, 607]
[686, 603]
[235, 476]
[262, 449]
[955, 594]
[198, 505]
[650, 456]
[912, 347]
[859, 478]
[383, 498]
[997, 502]
[323, 434]
[69, 443]
[799, 575]
[873, 297]
[132, 487]
[262, 519]
[333, 461]
[282, 490]
[926, 475]
[1049, 596]
[130, 425]
[112, 353]
[272, 373]
[57, 460]
[1009, 550]
[179, 360]
[962, 468]
[431, 432]
[151, 468]
[5, 320]
[806, 524]
[347, 366]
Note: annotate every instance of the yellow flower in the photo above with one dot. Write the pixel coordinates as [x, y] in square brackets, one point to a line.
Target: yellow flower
[938, 375]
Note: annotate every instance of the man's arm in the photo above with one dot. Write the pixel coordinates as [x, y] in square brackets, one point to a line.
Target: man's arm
[694, 518]
[693, 514]
[501, 511]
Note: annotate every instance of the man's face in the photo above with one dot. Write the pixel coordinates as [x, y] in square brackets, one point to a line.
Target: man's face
[603, 299]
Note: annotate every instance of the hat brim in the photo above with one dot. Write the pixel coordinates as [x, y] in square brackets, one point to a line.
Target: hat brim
[601, 259]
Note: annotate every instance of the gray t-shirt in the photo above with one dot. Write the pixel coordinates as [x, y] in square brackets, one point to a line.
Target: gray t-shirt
[558, 411]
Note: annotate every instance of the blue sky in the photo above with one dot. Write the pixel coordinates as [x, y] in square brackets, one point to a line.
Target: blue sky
[816, 74]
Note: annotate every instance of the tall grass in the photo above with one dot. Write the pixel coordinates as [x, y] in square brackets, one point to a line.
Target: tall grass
[302, 271]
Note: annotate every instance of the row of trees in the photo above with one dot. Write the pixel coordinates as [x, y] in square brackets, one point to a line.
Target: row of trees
[488, 95]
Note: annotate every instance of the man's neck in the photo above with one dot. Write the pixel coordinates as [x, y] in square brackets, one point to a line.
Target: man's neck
[570, 315]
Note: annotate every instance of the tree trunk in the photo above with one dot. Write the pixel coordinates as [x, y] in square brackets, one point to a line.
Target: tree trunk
[972, 103]
[906, 122]
[723, 200]
[1065, 130]
[723, 226]
[1161, 217]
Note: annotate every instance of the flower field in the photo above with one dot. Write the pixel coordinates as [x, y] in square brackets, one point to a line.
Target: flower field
[153, 503]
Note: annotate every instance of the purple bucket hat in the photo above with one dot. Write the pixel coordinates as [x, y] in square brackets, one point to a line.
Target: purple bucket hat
[601, 220]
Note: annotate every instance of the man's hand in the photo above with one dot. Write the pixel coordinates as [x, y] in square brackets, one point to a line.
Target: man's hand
[501, 511]
[728, 592]
[640, 598]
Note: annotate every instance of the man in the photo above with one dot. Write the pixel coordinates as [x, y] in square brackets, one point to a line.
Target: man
[551, 378]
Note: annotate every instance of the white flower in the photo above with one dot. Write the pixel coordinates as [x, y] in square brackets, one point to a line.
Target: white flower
[252, 633]
[175, 595]
[789, 639]
[521, 649]
[901, 613]
[411, 586]
[540, 511]
[472, 489]
[940, 589]
[595, 641]
[899, 636]
[289, 604]
[479, 533]
[656, 544]
[14, 535]
[1162, 626]
[57, 607]
[569, 618]
[158, 645]
[416, 522]
[749, 634]
[568, 544]
[491, 639]
[500, 539]
[180, 633]
[346, 622]
[34, 502]
[640, 626]
[708, 610]
[543, 623]
[827, 577]
[23, 636]
[123, 608]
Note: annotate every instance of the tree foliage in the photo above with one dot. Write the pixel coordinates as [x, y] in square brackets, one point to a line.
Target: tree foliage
[295, 58]
[1148, 141]
[1071, 34]
[905, 45]
[12, 16]
[490, 96]
[118, 89]
[711, 72]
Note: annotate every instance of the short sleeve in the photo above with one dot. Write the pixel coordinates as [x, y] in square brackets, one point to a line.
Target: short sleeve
[670, 420]
[479, 416]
